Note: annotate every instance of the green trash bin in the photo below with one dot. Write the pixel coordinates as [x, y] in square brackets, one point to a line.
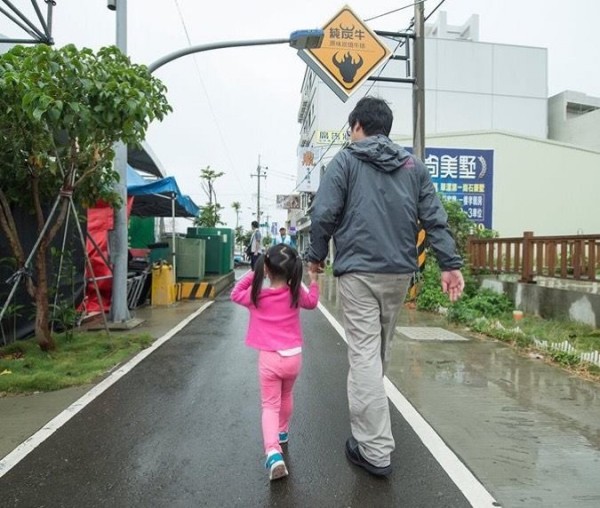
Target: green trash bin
[190, 258]
[219, 248]
[159, 251]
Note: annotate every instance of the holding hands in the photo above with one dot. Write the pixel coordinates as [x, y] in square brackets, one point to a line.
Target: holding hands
[314, 269]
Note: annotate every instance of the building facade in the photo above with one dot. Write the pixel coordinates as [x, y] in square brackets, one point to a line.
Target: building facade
[574, 117]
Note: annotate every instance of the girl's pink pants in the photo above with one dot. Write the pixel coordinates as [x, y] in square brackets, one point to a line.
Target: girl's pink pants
[277, 375]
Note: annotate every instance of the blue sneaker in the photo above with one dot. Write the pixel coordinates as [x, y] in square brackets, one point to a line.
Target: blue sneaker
[276, 466]
[283, 437]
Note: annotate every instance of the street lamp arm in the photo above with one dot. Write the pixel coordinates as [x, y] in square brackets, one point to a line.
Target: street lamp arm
[208, 47]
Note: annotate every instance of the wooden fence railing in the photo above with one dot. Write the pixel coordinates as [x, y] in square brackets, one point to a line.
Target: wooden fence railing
[564, 257]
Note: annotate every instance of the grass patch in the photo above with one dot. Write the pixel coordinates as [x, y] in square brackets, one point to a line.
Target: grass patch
[521, 334]
[78, 360]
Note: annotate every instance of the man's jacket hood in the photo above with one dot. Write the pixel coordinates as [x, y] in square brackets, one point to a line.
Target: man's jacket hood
[380, 152]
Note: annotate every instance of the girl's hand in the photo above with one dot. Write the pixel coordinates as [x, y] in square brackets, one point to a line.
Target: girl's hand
[313, 275]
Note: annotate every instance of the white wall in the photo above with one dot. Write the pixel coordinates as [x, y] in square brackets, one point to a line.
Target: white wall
[476, 86]
[543, 186]
[581, 130]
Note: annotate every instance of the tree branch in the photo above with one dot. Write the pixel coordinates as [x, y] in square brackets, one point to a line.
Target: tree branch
[9, 227]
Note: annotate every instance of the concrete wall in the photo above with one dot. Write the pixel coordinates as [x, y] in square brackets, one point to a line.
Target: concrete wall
[479, 86]
[578, 129]
[550, 302]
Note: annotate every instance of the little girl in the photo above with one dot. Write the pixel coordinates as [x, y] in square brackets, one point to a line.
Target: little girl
[274, 329]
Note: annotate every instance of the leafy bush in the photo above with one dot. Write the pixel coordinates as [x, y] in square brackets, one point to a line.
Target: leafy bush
[485, 303]
[430, 296]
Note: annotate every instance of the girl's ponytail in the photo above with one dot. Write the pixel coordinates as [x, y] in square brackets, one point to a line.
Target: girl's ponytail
[257, 282]
[295, 280]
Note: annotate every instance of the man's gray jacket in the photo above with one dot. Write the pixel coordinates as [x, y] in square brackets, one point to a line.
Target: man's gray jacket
[369, 200]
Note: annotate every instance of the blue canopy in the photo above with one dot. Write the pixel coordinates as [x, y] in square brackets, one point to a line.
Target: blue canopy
[155, 198]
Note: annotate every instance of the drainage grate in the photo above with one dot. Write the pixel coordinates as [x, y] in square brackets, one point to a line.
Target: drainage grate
[428, 333]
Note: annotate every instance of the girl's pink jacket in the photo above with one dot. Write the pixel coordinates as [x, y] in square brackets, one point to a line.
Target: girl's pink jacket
[274, 325]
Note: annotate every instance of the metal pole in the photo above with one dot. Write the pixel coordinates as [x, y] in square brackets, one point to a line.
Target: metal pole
[119, 310]
[258, 193]
[208, 47]
[258, 175]
[173, 246]
[419, 120]
[419, 84]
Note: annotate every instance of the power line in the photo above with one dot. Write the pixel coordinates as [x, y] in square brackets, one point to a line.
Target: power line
[435, 9]
[214, 116]
[395, 10]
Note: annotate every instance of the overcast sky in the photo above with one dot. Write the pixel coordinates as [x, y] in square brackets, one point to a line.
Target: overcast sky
[232, 105]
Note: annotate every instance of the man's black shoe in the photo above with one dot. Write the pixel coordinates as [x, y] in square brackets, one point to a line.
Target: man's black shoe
[354, 456]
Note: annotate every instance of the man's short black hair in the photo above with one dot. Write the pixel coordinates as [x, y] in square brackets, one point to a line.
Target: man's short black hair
[374, 115]
[254, 223]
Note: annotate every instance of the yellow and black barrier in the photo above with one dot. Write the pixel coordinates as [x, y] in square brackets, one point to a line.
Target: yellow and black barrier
[413, 289]
[194, 290]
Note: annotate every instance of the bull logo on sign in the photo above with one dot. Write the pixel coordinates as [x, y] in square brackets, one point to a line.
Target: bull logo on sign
[347, 66]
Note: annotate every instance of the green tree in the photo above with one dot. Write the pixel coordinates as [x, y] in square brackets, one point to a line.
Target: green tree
[240, 238]
[209, 216]
[237, 206]
[267, 240]
[61, 111]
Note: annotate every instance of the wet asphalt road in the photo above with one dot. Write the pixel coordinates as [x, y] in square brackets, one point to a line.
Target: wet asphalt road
[182, 429]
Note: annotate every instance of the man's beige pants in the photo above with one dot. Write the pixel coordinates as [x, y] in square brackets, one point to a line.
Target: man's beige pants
[370, 304]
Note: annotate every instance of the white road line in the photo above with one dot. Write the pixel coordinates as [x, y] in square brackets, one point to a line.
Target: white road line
[27, 446]
[466, 482]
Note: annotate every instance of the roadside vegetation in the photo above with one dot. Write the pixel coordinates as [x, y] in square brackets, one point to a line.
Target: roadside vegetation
[490, 314]
[80, 358]
[61, 112]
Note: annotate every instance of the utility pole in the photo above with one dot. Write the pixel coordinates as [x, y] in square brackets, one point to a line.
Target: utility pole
[419, 83]
[419, 126]
[119, 312]
[260, 173]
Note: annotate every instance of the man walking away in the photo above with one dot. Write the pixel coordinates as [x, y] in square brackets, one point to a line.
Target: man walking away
[255, 244]
[370, 200]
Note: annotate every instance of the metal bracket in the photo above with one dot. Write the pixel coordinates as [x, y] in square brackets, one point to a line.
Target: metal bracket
[39, 28]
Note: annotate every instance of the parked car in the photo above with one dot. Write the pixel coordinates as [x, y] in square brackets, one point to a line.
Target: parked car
[240, 260]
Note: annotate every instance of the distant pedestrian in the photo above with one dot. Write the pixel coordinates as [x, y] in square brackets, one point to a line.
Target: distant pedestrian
[274, 329]
[370, 201]
[282, 237]
[255, 247]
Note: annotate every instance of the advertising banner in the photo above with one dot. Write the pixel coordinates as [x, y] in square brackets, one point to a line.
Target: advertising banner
[465, 175]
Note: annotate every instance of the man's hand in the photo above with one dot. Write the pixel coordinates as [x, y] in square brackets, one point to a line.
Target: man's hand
[453, 284]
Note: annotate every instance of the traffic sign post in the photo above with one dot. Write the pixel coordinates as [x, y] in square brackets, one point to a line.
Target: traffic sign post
[349, 53]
